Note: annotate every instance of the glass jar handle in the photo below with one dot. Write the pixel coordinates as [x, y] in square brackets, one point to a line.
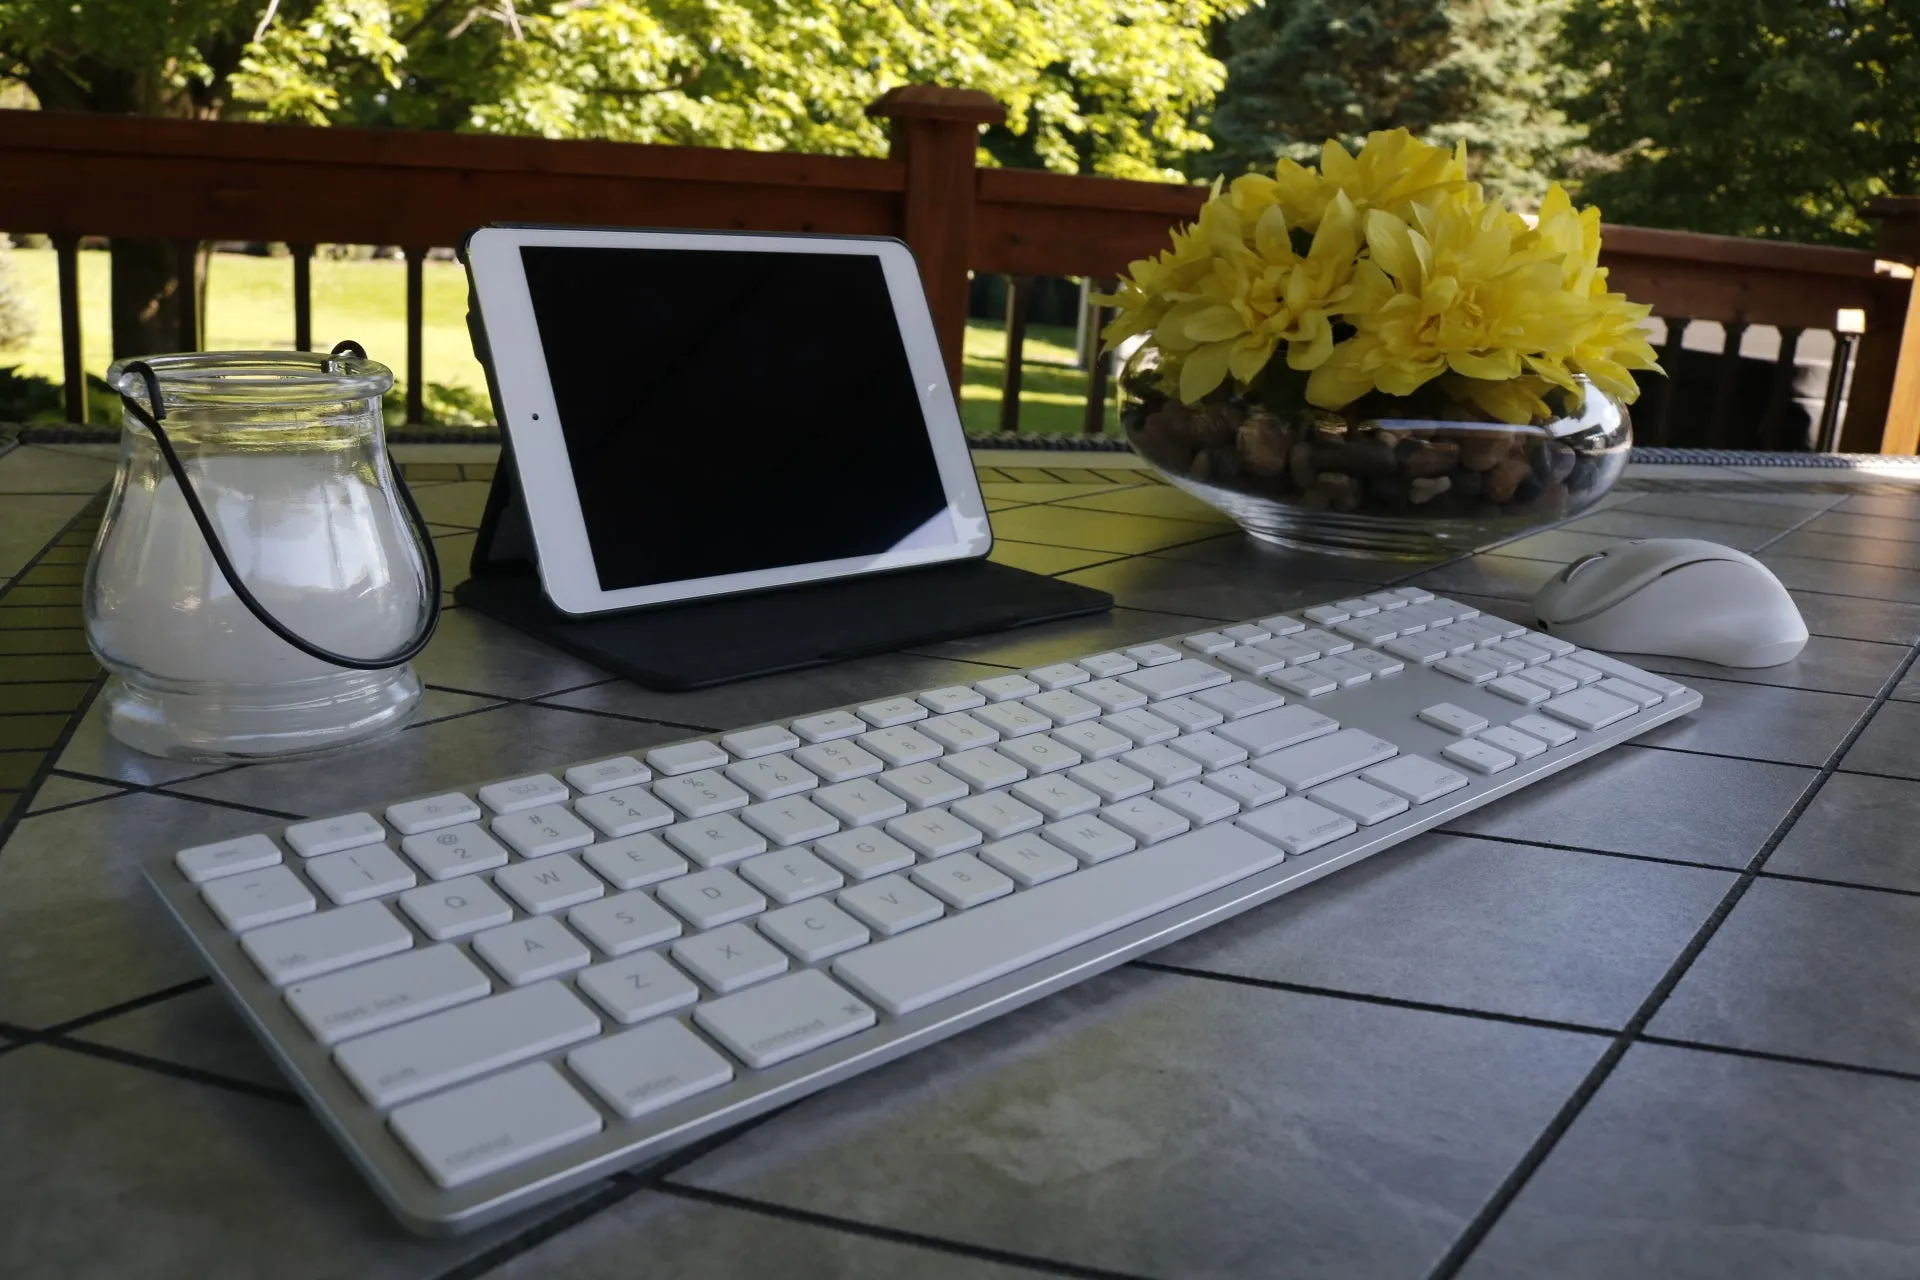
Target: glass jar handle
[151, 421]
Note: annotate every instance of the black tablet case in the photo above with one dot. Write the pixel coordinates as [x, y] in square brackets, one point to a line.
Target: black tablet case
[699, 643]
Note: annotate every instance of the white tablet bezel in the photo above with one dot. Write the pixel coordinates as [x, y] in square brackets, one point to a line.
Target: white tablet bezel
[531, 419]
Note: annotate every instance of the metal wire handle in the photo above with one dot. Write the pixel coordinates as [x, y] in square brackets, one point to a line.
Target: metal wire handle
[151, 421]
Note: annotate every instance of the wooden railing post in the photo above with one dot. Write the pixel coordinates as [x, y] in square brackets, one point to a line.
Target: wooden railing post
[935, 132]
[1878, 422]
[302, 296]
[416, 326]
[66, 250]
[1019, 303]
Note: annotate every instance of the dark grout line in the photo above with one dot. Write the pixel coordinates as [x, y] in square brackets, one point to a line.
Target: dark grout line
[278, 815]
[893, 1235]
[1556, 847]
[1859, 886]
[1885, 777]
[618, 715]
[1786, 1059]
[1367, 997]
[1570, 1111]
[124, 1007]
[174, 1070]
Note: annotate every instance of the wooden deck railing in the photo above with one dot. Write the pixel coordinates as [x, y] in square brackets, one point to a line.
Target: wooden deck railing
[70, 176]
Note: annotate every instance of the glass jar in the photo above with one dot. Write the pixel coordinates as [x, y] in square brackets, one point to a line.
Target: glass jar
[1387, 477]
[287, 455]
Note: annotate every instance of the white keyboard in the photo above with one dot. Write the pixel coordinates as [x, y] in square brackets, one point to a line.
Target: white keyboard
[495, 995]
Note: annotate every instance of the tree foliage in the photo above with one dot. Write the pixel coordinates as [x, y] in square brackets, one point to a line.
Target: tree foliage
[1302, 71]
[1772, 118]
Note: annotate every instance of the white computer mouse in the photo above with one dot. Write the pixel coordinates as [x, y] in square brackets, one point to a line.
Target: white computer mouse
[1677, 597]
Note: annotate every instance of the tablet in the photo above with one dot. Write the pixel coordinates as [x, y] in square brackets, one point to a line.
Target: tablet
[705, 413]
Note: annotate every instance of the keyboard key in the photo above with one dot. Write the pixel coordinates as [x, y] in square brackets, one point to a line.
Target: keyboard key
[625, 922]
[1028, 859]
[1093, 741]
[355, 875]
[1477, 755]
[1325, 614]
[1001, 688]
[892, 904]
[1186, 715]
[637, 987]
[532, 950]
[1013, 719]
[1414, 595]
[1554, 735]
[907, 746]
[1358, 607]
[1467, 667]
[1282, 625]
[1341, 671]
[709, 899]
[1111, 780]
[962, 881]
[1578, 672]
[550, 884]
[1189, 675]
[750, 744]
[310, 945]
[1246, 633]
[445, 1048]
[642, 1070]
[1210, 749]
[1298, 825]
[1063, 706]
[1252, 661]
[923, 785]
[700, 795]
[983, 768]
[1153, 655]
[1513, 742]
[1369, 630]
[1111, 695]
[455, 908]
[635, 861]
[1365, 803]
[1147, 821]
[1411, 619]
[1589, 708]
[1323, 759]
[1238, 698]
[1385, 600]
[1040, 753]
[1251, 789]
[1196, 802]
[1287, 650]
[1454, 719]
[605, 775]
[1324, 643]
[1281, 727]
[1144, 727]
[730, 958]
[1453, 609]
[1303, 683]
[1162, 764]
[860, 803]
[715, 841]
[829, 726]
[431, 814]
[1379, 664]
[998, 814]
[789, 821]
[1503, 663]
[1416, 778]
[950, 699]
[1532, 655]
[1208, 642]
[535, 833]
[384, 993]
[1630, 691]
[1482, 631]
[974, 947]
[1105, 665]
[625, 812]
[1059, 675]
[1458, 646]
[1552, 644]
[206, 862]
[838, 761]
[1551, 681]
[1524, 692]
[524, 1113]
[959, 731]
[1089, 839]
[933, 834]
[813, 931]
[254, 898]
[1057, 797]
[785, 1019]
[330, 835]
[683, 757]
[862, 855]
[791, 875]
[889, 712]
[771, 777]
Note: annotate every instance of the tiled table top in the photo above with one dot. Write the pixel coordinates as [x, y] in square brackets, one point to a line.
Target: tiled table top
[1657, 1016]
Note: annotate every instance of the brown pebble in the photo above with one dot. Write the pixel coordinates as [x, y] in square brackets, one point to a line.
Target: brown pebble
[1420, 458]
[1216, 424]
[1263, 443]
[1482, 450]
[1552, 461]
[1300, 465]
[1505, 478]
[1427, 488]
[1343, 491]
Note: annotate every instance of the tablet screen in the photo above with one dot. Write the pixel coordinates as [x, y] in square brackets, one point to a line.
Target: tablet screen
[726, 412]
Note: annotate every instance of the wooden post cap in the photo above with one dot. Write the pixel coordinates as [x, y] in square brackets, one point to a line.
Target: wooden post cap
[935, 102]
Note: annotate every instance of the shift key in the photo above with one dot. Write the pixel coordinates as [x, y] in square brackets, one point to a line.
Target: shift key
[445, 1048]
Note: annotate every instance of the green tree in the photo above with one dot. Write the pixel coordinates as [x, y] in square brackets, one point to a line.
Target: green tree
[1302, 71]
[1771, 118]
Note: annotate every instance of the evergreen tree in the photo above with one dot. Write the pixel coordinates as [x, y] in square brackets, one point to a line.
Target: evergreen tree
[1302, 71]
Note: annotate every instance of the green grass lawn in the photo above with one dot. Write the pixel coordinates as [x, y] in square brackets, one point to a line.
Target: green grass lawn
[250, 306]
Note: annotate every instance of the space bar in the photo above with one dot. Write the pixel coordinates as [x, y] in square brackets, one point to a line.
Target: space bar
[960, 952]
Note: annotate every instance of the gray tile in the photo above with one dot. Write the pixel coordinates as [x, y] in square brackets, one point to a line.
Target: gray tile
[109, 1170]
[1908, 690]
[1852, 618]
[57, 791]
[1239, 551]
[1509, 577]
[471, 651]
[461, 503]
[1442, 920]
[1857, 829]
[28, 522]
[79, 927]
[1853, 550]
[1826, 664]
[775, 697]
[1891, 743]
[1207, 589]
[1904, 506]
[405, 453]
[456, 558]
[432, 757]
[93, 751]
[198, 1029]
[1663, 804]
[1854, 525]
[1755, 509]
[1160, 1125]
[1835, 577]
[1761, 722]
[1631, 522]
[1561, 546]
[438, 704]
[1065, 641]
[1811, 971]
[1700, 1166]
[687, 1238]
[40, 469]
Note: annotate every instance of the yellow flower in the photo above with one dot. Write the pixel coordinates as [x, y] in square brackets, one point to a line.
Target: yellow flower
[1394, 171]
